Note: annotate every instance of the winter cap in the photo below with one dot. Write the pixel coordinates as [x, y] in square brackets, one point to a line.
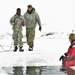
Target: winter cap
[72, 36]
[30, 6]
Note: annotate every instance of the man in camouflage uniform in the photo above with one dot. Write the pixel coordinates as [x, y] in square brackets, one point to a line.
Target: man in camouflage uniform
[32, 18]
[17, 21]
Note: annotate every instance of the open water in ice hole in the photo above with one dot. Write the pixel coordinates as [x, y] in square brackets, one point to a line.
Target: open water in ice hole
[32, 70]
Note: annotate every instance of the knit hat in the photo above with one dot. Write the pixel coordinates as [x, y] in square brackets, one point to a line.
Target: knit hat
[72, 36]
[29, 6]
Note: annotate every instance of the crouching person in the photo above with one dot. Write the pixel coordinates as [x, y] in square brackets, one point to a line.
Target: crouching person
[71, 51]
[70, 61]
[17, 21]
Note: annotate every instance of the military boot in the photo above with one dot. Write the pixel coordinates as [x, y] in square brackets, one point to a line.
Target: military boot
[15, 49]
[20, 49]
[30, 48]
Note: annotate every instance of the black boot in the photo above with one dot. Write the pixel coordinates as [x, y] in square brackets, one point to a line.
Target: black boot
[30, 48]
[15, 49]
[20, 49]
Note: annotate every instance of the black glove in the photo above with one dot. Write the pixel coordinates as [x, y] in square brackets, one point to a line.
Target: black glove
[40, 28]
[61, 58]
[66, 54]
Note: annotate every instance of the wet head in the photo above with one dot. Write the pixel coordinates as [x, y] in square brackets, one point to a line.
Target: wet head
[71, 37]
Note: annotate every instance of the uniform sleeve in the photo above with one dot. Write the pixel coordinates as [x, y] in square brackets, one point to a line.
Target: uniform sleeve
[38, 19]
[23, 20]
[24, 16]
[12, 20]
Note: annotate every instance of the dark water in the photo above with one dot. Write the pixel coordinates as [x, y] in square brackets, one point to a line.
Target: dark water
[32, 70]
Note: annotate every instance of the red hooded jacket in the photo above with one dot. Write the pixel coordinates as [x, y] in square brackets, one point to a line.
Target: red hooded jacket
[71, 55]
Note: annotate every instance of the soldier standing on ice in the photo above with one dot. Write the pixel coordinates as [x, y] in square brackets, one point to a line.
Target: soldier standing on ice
[17, 21]
[32, 18]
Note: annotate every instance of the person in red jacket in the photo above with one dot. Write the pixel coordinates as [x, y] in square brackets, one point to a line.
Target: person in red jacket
[68, 59]
[70, 62]
[71, 51]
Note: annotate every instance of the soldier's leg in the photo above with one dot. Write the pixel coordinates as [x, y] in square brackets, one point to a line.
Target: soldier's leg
[27, 34]
[15, 42]
[15, 38]
[20, 36]
[31, 38]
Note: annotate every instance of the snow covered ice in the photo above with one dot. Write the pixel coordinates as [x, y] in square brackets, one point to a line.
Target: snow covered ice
[46, 52]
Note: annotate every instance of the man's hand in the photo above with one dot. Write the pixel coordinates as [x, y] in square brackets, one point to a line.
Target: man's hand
[15, 23]
[23, 23]
[40, 28]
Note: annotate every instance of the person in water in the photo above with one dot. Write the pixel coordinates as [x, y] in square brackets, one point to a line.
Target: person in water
[69, 59]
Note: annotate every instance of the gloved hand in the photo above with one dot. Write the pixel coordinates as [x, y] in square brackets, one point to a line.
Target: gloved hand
[40, 28]
[61, 58]
[66, 54]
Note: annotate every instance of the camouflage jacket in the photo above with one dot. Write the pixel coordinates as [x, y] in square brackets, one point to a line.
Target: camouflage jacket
[18, 19]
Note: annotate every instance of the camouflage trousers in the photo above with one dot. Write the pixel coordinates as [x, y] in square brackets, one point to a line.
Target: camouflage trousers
[30, 35]
[17, 37]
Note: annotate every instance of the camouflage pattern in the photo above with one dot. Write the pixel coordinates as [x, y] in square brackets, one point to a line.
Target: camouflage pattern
[17, 29]
[30, 34]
